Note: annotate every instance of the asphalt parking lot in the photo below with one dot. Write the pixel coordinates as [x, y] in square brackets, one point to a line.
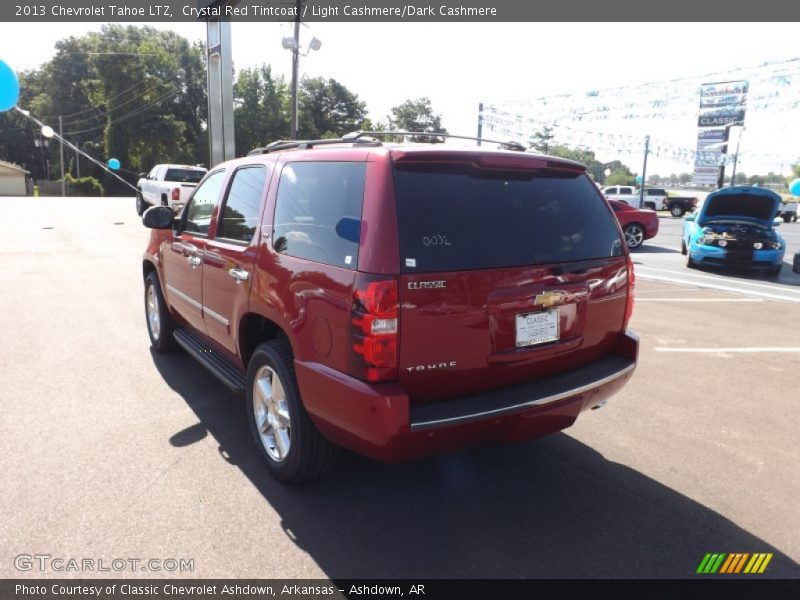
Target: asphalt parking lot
[110, 451]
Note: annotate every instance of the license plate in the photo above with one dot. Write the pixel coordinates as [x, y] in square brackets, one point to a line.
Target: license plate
[537, 328]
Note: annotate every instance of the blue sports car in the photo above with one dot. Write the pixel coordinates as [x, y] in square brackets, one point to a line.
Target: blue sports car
[735, 227]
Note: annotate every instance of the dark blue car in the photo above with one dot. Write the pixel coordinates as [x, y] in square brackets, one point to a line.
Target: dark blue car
[735, 227]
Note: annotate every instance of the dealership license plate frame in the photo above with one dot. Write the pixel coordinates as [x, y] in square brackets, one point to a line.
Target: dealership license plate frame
[537, 328]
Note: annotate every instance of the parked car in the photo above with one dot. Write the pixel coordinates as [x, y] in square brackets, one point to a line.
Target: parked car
[637, 225]
[654, 199]
[735, 227]
[305, 277]
[167, 185]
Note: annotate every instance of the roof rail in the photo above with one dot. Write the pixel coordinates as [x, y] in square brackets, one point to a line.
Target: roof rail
[368, 137]
[279, 145]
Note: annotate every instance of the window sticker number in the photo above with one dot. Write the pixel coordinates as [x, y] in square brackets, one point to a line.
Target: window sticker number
[436, 239]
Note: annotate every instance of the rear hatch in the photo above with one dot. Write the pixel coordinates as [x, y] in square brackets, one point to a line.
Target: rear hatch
[512, 269]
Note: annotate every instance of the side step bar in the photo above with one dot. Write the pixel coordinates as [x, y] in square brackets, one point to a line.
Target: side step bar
[219, 366]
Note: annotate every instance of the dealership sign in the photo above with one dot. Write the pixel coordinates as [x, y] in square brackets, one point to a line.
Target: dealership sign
[720, 104]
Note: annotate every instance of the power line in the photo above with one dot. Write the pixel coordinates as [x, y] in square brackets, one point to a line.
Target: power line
[130, 115]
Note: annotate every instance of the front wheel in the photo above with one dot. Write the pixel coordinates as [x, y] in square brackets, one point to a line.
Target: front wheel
[159, 321]
[634, 235]
[690, 264]
[283, 432]
[683, 247]
[787, 218]
[775, 271]
[676, 210]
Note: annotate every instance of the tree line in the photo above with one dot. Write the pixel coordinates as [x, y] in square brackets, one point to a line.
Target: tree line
[139, 95]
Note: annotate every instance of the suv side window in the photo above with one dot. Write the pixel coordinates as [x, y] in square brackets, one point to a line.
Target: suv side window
[318, 212]
[624, 190]
[198, 212]
[239, 215]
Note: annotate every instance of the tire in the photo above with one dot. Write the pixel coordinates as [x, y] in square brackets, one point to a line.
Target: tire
[690, 264]
[291, 445]
[159, 321]
[141, 205]
[775, 271]
[634, 235]
[677, 210]
[787, 218]
[683, 247]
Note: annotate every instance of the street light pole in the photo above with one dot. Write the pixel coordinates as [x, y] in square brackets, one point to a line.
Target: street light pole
[724, 151]
[480, 122]
[295, 70]
[736, 158]
[644, 170]
[61, 138]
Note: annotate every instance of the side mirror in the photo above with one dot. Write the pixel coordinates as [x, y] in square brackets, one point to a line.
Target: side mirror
[142, 175]
[158, 217]
[690, 217]
[349, 228]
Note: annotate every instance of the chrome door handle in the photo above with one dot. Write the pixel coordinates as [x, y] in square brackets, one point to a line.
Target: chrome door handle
[195, 261]
[239, 275]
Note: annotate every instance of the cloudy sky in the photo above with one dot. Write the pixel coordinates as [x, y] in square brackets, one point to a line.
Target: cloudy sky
[460, 65]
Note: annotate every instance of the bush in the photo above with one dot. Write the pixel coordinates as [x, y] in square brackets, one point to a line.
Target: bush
[84, 186]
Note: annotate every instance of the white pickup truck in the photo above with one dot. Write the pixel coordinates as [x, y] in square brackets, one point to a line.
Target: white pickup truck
[167, 185]
[654, 199]
[788, 210]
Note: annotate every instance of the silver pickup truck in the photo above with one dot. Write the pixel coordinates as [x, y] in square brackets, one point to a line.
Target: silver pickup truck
[167, 185]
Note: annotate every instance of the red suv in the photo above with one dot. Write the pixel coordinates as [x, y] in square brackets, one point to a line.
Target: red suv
[396, 300]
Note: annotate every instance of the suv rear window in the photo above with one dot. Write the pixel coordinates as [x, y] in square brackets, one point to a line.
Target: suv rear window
[318, 212]
[184, 175]
[459, 217]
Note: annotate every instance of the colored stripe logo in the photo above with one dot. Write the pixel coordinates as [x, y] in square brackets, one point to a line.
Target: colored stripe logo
[734, 563]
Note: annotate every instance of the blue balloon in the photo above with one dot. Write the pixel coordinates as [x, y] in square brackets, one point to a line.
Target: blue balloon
[9, 87]
[114, 164]
[639, 179]
[794, 187]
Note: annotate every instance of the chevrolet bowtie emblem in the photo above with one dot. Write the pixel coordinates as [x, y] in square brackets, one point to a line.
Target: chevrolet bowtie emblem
[549, 299]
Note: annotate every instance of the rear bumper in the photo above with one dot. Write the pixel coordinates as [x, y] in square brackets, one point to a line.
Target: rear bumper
[378, 420]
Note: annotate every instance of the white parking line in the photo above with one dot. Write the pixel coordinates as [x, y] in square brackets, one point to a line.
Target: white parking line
[693, 276]
[731, 350]
[699, 299]
[724, 288]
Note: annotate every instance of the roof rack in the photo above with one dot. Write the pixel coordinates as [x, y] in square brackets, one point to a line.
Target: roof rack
[507, 145]
[367, 138]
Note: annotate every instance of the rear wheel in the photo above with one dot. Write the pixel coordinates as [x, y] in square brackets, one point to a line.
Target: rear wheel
[283, 432]
[634, 235]
[787, 218]
[159, 321]
[677, 210]
[683, 247]
[141, 205]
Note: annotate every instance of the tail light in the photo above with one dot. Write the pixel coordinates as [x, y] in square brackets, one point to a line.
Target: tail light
[176, 194]
[373, 328]
[631, 290]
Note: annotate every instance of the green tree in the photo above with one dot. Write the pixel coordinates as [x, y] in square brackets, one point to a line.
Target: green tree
[417, 115]
[542, 140]
[262, 109]
[328, 109]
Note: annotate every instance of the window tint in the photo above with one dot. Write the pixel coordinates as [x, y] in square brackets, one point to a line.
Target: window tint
[460, 217]
[625, 191]
[240, 213]
[198, 213]
[656, 192]
[318, 212]
[184, 175]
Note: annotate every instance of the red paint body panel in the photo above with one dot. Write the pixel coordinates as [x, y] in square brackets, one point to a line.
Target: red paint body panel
[469, 325]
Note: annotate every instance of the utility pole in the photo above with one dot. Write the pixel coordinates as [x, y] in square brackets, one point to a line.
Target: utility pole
[480, 122]
[724, 151]
[644, 170]
[295, 70]
[61, 139]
